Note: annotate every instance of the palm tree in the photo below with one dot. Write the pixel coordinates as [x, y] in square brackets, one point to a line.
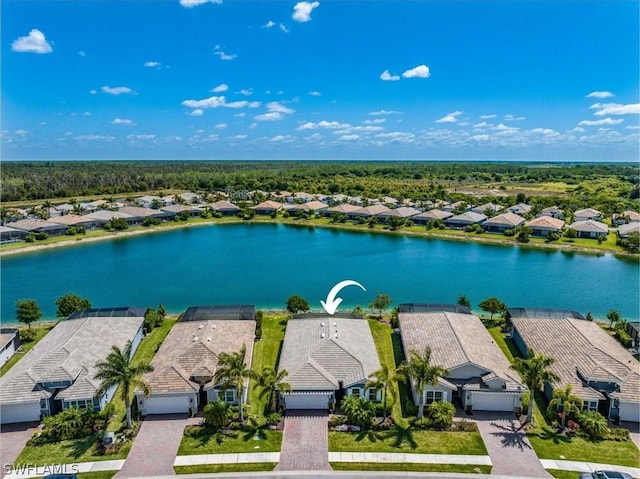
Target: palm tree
[231, 372]
[118, 370]
[381, 380]
[534, 372]
[565, 400]
[422, 374]
[271, 384]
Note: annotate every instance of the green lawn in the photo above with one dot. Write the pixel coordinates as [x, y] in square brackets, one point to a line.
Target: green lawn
[383, 338]
[381, 466]
[266, 353]
[216, 468]
[408, 440]
[97, 475]
[210, 442]
[551, 446]
[558, 474]
[40, 331]
[67, 452]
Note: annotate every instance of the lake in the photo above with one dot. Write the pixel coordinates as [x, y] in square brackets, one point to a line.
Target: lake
[263, 264]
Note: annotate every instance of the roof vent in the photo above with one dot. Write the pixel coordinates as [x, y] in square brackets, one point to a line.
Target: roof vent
[194, 339]
[213, 326]
[322, 324]
[336, 335]
[335, 325]
[322, 335]
[201, 326]
[208, 339]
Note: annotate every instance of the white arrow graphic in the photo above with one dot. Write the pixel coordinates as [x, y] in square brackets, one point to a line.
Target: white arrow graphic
[332, 302]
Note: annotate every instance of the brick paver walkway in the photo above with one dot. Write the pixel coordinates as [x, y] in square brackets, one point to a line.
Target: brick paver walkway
[508, 446]
[13, 438]
[305, 444]
[155, 447]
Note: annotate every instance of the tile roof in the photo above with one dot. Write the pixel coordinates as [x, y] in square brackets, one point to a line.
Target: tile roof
[315, 362]
[179, 208]
[6, 336]
[106, 215]
[625, 230]
[69, 351]
[467, 217]
[402, 212]
[192, 349]
[35, 224]
[456, 339]
[371, 210]
[589, 226]
[505, 219]
[71, 220]
[580, 348]
[587, 212]
[139, 211]
[344, 209]
[224, 206]
[269, 204]
[487, 206]
[546, 222]
[520, 208]
[434, 215]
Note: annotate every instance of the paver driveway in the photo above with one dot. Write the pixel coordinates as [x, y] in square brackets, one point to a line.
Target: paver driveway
[305, 443]
[508, 446]
[13, 438]
[155, 447]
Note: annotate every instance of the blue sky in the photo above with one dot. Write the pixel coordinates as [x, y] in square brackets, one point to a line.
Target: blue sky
[328, 79]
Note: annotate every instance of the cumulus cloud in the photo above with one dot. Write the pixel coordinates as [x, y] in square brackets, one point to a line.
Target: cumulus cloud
[238, 137]
[283, 28]
[279, 107]
[217, 50]
[314, 93]
[195, 3]
[302, 11]
[246, 91]
[330, 125]
[219, 101]
[450, 117]
[349, 137]
[604, 121]
[123, 121]
[269, 24]
[118, 90]
[487, 117]
[220, 126]
[386, 76]
[421, 71]
[374, 121]
[384, 112]
[94, 137]
[152, 64]
[220, 88]
[270, 116]
[600, 94]
[140, 137]
[35, 42]
[197, 112]
[616, 109]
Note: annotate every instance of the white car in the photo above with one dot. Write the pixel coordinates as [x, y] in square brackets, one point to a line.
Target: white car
[605, 475]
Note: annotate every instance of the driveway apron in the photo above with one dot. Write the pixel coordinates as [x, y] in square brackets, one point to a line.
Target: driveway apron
[155, 447]
[305, 442]
[13, 438]
[508, 446]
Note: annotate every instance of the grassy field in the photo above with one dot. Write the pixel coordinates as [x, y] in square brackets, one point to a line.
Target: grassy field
[383, 338]
[67, 452]
[97, 475]
[222, 442]
[40, 331]
[408, 440]
[381, 466]
[218, 468]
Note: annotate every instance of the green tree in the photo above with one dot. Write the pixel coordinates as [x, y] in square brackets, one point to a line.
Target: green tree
[118, 370]
[381, 380]
[28, 311]
[382, 302]
[419, 370]
[571, 233]
[613, 316]
[217, 414]
[359, 410]
[271, 384]
[464, 301]
[296, 303]
[535, 372]
[70, 303]
[492, 305]
[231, 373]
[566, 402]
[441, 413]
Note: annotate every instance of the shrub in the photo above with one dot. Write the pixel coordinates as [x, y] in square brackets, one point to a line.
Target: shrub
[72, 423]
[259, 315]
[217, 414]
[624, 338]
[618, 434]
[359, 410]
[27, 335]
[509, 232]
[441, 413]
[337, 420]
[464, 425]
[150, 221]
[30, 238]
[274, 418]
[41, 236]
[593, 424]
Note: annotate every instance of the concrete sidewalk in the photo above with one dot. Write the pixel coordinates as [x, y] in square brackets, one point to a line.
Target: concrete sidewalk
[78, 467]
[587, 466]
[475, 460]
[239, 458]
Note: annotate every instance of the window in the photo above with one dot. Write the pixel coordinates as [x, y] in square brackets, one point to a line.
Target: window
[229, 395]
[355, 392]
[373, 394]
[433, 396]
[589, 405]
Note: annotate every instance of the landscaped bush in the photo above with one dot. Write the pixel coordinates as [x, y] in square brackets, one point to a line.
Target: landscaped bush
[274, 418]
[410, 408]
[150, 221]
[359, 410]
[259, 315]
[441, 414]
[593, 424]
[217, 414]
[618, 434]
[27, 335]
[72, 423]
[336, 420]
[464, 425]
[41, 236]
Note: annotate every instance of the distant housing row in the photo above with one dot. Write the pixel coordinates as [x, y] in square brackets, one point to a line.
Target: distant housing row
[493, 218]
[327, 358]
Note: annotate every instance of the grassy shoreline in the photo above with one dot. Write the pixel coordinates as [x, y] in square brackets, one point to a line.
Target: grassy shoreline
[416, 231]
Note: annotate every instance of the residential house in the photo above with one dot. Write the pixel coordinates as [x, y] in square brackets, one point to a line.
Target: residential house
[343, 209]
[431, 215]
[503, 222]
[543, 225]
[626, 217]
[64, 208]
[465, 219]
[487, 209]
[302, 197]
[313, 206]
[9, 344]
[633, 329]
[520, 209]
[78, 221]
[150, 201]
[8, 235]
[190, 198]
[138, 214]
[368, 211]
[601, 372]
[267, 207]
[553, 212]
[625, 230]
[183, 379]
[479, 375]
[59, 371]
[327, 358]
[225, 207]
[389, 201]
[171, 211]
[590, 229]
[105, 216]
[587, 214]
[401, 212]
[451, 207]
[35, 225]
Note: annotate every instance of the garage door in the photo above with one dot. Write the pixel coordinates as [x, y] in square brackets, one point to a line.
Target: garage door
[25, 412]
[629, 412]
[307, 401]
[167, 404]
[493, 402]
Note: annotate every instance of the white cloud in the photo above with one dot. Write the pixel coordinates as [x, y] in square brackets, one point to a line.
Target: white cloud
[217, 50]
[632, 127]
[384, 112]
[398, 136]
[349, 137]
[482, 124]
[314, 93]
[35, 42]
[600, 94]
[220, 88]
[219, 101]
[118, 90]
[220, 126]
[278, 138]
[330, 125]
[505, 128]
[86, 113]
[152, 64]
[283, 28]
[269, 24]
[123, 121]
[487, 117]
[93, 92]
[195, 3]
[94, 137]
[386, 76]
[253, 126]
[197, 112]
[82, 53]
[246, 92]
[240, 115]
[450, 117]
[350, 129]
[374, 121]
[238, 137]
[616, 109]
[302, 11]
[421, 71]
[604, 121]
[140, 137]
[271, 116]
[279, 107]
[579, 129]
